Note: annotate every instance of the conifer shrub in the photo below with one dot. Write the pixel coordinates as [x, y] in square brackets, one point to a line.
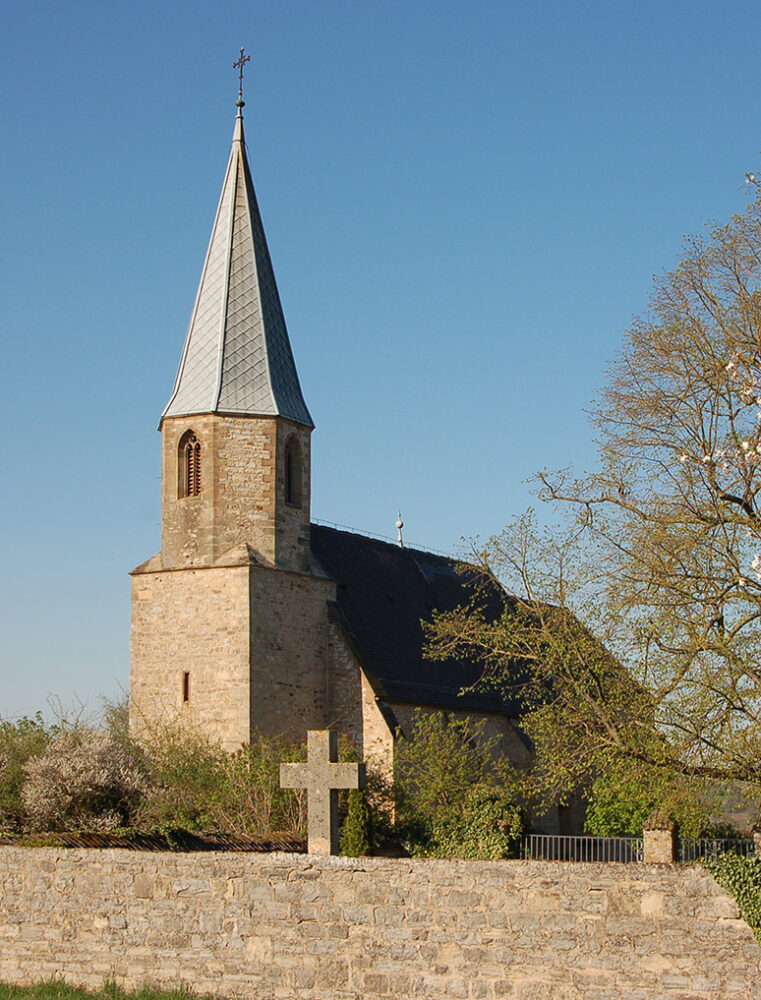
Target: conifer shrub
[356, 835]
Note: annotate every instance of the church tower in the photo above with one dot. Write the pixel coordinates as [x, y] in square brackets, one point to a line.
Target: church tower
[236, 431]
[229, 619]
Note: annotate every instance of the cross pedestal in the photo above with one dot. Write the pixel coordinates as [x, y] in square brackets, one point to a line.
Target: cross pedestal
[322, 776]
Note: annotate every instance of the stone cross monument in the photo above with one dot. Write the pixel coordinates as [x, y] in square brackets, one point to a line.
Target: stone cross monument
[322, 776]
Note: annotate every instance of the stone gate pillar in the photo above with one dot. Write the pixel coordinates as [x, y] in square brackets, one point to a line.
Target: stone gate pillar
[660, 839]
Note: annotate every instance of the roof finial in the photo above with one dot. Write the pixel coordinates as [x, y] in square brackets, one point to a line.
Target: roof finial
[239, 64]
[399, 526]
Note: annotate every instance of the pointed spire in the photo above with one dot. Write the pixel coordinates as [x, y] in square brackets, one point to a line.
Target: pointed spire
[237, 357]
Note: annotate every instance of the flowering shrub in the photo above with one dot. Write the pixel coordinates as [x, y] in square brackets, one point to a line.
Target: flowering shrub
[83, 779]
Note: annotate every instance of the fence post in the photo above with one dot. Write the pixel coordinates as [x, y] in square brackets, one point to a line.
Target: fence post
[659, 839]
[756, 831]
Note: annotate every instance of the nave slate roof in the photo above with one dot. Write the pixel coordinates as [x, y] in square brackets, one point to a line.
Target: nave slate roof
[237, 357]
[383, 593]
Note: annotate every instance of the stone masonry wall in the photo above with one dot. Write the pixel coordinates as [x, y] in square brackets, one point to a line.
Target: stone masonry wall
[251, 638]
[194, 621]
[353, 706]
[296, 927]
[289, 619]
[242, 492]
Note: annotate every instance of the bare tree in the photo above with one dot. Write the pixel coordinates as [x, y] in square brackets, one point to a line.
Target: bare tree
[639, 618]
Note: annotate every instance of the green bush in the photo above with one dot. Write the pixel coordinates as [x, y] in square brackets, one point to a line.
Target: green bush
[455, 794]
[250, 799]
[356, 835]
[184, 773]
[71, 776]
[741, 877]
[489, 826]
[194, 784]
[19, 742]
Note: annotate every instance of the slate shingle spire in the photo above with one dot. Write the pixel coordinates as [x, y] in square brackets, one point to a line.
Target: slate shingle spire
[237, 357]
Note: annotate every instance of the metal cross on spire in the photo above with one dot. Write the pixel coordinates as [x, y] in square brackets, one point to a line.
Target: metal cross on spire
[239, 65]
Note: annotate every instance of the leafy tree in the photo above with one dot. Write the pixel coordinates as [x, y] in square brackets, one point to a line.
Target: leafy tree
[626, 794]
[637, 616]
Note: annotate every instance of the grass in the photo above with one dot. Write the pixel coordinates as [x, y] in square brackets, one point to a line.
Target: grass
[57, 989]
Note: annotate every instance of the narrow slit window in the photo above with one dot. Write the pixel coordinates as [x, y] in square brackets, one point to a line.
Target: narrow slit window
[186, 687]
[292, 473]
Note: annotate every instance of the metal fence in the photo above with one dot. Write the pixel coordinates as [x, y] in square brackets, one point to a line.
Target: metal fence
[545, 847]
[695, 849]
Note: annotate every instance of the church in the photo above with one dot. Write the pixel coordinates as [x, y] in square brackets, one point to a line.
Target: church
[251, 617]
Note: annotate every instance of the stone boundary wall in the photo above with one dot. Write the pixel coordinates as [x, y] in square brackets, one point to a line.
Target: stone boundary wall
[298, 927]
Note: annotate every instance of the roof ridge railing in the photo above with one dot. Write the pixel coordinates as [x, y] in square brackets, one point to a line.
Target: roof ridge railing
[384, 538]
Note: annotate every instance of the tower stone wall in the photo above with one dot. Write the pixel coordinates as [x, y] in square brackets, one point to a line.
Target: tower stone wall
[353, 704]
[289, 655]
[242, 495]
[228, 649]
[192, 622]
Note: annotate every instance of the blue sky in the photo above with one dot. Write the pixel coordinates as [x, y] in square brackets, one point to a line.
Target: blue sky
[465, 204]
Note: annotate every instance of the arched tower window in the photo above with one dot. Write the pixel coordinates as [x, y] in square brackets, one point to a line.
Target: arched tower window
[292, 473]
[189, 465]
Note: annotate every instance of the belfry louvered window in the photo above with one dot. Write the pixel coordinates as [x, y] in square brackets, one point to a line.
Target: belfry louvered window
[189, 465]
